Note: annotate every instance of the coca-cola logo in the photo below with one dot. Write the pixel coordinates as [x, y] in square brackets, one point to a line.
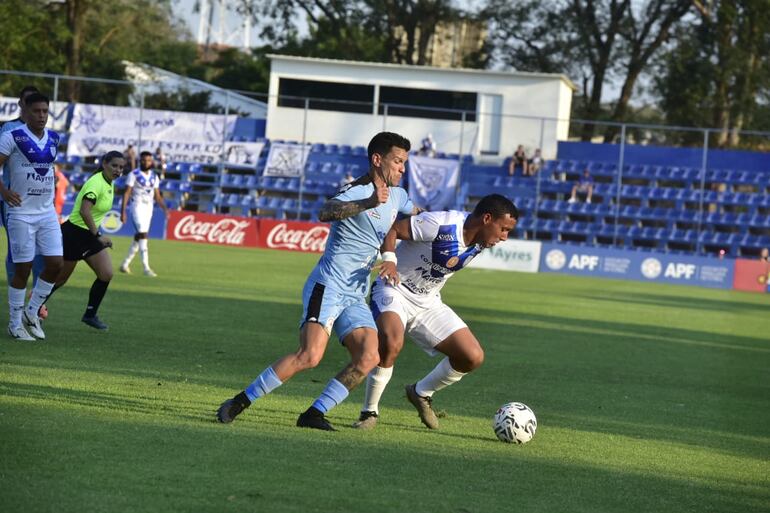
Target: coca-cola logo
[224, 231]
[312, 239]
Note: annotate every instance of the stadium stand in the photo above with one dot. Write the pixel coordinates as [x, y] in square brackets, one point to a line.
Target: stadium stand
[653, 206]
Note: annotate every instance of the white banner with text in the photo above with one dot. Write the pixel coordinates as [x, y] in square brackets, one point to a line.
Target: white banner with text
[510, 255]
[183, 136]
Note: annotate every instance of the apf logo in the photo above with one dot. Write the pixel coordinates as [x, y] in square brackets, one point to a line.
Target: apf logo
[679, 271]
[555, 259]
[651, 268]
[583, 262]
[112, 222]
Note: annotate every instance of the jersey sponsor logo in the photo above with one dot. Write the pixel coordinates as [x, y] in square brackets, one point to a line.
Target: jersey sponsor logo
[300, 239]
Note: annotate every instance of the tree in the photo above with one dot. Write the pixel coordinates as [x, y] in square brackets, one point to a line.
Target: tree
[397, 31]
[718, 72]
[595, 41]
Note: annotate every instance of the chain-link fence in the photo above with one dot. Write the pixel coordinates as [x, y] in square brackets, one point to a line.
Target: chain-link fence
[577, 181]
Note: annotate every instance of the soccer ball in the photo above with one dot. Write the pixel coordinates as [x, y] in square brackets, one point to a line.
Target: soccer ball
[515, 423]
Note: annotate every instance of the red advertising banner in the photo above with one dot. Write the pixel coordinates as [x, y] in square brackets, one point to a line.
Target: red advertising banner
[293, 235]
[751, 275]
[212, 229]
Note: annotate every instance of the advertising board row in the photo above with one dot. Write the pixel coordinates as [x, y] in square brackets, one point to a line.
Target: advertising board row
[511, 255]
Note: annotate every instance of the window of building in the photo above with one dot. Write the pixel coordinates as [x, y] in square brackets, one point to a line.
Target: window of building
[325, 95]
[427, 103]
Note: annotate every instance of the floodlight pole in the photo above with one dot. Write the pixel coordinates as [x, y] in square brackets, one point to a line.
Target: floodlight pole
[302, 168]
[621, 159]
[141, 120]
[537, 181]
[704, 160]
[385, 117]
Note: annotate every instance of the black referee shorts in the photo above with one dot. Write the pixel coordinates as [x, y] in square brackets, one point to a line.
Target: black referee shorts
[78, 242]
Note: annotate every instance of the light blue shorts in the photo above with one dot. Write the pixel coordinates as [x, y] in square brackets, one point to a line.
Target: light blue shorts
[334, 310]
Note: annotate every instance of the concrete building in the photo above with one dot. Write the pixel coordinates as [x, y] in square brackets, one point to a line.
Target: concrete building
[467, 111]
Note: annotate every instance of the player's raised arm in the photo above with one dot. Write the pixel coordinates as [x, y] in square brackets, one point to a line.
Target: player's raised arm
[336, 209]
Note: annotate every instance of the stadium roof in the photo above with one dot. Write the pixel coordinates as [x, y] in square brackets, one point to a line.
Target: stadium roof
[561, 76]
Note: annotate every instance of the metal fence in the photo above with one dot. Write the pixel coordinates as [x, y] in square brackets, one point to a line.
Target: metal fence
[464, 133]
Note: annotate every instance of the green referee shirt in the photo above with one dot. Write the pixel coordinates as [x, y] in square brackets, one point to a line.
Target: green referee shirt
[100, 192]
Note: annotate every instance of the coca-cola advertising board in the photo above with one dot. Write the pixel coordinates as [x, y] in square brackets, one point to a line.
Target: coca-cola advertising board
[212, 229]
[293, 235]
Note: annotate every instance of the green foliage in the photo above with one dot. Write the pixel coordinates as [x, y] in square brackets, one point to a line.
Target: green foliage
[649, 398]
[28, 41]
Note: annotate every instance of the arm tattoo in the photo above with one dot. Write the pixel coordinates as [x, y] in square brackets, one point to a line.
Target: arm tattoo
[336, 210]
[350, 377]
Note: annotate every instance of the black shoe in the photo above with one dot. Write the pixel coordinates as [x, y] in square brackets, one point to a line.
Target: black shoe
[94, 322]
[313, 418]
[367, 420]
[231, 408]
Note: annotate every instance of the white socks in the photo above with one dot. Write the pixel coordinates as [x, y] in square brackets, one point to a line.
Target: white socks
[376, 382]
[144, 252]
[16, 304]
[440, 377]
[40, 292]
[131, 253]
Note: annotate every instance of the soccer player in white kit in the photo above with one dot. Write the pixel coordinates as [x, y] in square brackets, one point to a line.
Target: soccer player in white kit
[143, 190]
[406, 298]
[30, 216]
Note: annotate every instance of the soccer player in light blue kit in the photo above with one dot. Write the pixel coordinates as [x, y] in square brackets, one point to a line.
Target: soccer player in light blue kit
[38, 263]
[334, 296]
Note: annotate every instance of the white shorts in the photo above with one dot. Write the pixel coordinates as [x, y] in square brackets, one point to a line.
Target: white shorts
[30, 235]
[426, 325]
[141, 217]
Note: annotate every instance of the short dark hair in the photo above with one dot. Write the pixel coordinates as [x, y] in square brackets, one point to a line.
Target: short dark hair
[384, 141]
[145, 154]
[497, 206]
[35, 98]
[110, 156]
[26, 90]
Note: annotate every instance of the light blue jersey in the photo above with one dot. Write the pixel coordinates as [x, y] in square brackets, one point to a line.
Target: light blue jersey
[354, 243]
[335, 292]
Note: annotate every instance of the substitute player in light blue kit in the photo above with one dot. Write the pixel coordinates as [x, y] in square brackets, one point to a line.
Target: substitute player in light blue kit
[30, 217]
[406, 298]
[334, 296]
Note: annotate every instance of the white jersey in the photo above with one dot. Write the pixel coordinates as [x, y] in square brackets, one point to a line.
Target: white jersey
[29, 168]
[143, 185]
[436, 252]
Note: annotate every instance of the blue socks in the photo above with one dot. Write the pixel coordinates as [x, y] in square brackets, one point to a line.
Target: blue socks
[263, 385]
[334, 393]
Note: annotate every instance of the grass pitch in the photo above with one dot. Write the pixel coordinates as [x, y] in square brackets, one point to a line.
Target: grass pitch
[648, 397]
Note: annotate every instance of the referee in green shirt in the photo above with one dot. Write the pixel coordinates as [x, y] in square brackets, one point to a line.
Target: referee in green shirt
[81, 236]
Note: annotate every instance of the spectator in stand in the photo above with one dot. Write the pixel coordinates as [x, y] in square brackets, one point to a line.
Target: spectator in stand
[347, 179]
[585, 185]
[519, 159]
[535, 163]
[129, 154]
[160, 162]
[428, 146]
[764, 255]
